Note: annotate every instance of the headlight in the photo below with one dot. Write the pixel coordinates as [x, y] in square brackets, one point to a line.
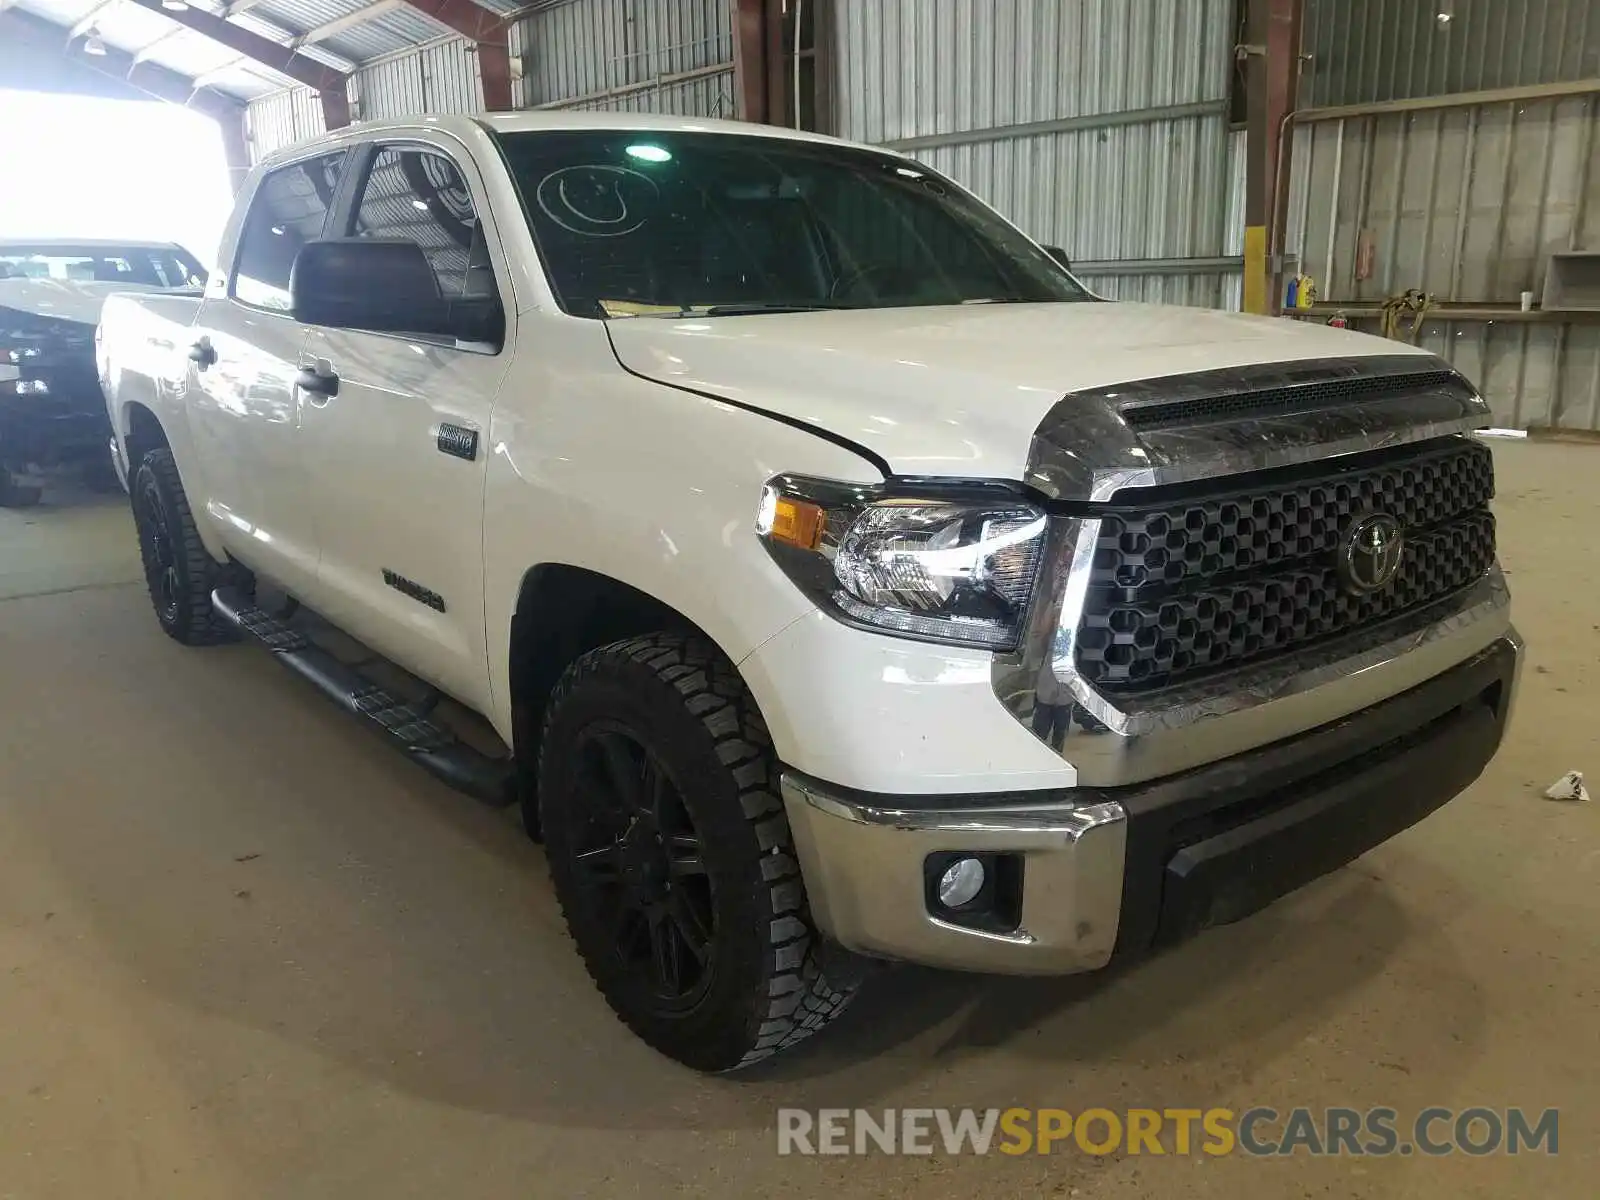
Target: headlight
[958, 569]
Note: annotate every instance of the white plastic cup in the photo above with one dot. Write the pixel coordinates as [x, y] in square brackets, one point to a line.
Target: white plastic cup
[1527, 301]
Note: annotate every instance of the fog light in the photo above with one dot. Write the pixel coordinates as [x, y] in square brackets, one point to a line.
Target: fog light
[961, 882]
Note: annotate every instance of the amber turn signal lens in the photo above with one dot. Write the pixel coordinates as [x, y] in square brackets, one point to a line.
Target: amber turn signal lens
[798, 523]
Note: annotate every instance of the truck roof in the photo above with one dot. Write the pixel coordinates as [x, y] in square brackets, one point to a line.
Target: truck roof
[551, 120]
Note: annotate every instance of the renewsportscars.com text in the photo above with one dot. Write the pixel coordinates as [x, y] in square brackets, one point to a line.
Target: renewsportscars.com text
[1258, 1131]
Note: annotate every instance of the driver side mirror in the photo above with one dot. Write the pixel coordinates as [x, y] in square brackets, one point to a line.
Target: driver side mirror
[376, 284]
[1060, 255]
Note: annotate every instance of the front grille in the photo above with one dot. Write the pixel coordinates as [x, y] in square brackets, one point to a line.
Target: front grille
[1183, 587]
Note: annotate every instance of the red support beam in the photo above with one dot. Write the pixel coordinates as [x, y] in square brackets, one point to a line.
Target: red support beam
[335, 106]
[750, 59]
[470, 20]
[279, 57]
[1272, 71]
[776, 66]
[1283, 89]
[488, 30]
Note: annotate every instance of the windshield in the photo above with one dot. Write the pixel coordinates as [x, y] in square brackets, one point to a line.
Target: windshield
[662, 223]
[153, 266]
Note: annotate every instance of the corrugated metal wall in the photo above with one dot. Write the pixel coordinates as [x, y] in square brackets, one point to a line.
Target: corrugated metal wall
[585, 50]
[1465, 202]
[699, 95]
[1096, 125]
[672, 56]
[282, 119]
[441, 78]
[1365, 50]
[1542, 373]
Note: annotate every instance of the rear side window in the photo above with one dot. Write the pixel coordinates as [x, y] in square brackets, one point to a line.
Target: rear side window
[289, 210]
[420, 196]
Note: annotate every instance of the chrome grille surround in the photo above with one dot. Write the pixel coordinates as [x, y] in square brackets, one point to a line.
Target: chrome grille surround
[1085, 453]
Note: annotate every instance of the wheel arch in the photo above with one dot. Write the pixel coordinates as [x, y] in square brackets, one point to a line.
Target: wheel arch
[140, 428]
[141, 432]
[562, 612]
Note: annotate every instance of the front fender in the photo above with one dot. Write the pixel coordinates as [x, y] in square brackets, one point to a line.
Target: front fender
[647, 484]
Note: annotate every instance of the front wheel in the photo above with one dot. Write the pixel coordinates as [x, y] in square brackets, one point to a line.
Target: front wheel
[177, 569]
[672, 857]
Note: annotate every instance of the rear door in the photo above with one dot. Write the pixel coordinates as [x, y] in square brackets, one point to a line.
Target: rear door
[246, 410]
[395, 461]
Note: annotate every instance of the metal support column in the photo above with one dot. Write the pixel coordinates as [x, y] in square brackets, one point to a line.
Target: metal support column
[1273, 70]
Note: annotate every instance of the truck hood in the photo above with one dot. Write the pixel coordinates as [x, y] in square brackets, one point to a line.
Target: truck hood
[64, 299]
[956, 391]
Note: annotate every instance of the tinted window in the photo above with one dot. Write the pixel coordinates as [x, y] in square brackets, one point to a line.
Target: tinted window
[421, 197]
[632, 223]
[289, 210]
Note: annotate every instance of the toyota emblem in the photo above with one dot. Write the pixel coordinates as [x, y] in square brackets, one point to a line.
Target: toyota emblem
[1370, 557]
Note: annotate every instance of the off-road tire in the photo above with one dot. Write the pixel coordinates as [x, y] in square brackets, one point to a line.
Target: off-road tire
[768, 989]
[17, 495]
[186, 616]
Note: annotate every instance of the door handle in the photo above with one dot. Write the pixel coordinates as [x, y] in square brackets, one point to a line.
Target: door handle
[318, 382]
[202, 354]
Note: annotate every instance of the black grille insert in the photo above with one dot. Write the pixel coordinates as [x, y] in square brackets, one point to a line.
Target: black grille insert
[1186, 587]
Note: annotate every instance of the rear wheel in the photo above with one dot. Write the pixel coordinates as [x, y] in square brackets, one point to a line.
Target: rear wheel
[177, 569]
[672, 858]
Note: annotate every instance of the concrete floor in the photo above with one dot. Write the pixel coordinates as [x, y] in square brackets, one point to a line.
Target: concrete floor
[246, 950]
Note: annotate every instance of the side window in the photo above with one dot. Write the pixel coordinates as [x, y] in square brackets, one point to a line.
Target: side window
[288, 211]
[419, 196]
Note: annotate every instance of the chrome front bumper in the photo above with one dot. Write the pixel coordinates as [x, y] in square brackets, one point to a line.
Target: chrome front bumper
[863, 868]
[1115, 870]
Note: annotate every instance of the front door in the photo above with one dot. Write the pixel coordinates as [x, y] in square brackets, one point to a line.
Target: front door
[397, 454]
[245, 410]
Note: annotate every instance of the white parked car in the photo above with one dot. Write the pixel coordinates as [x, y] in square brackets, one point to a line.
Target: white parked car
[843, 579]
[51, 412]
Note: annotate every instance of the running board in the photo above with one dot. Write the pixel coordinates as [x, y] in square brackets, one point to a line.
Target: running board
[431, 745]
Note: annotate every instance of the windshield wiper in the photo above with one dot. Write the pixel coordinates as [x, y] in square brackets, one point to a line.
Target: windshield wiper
[747, 310]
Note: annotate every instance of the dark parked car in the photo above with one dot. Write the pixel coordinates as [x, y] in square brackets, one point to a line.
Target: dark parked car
[52, 414]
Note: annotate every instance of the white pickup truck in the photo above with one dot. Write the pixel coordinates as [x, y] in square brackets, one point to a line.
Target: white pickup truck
[841, 580]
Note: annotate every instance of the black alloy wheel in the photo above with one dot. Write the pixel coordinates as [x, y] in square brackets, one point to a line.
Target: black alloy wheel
[671, 855]
[177, 569]
[641, 871]
[156, 548]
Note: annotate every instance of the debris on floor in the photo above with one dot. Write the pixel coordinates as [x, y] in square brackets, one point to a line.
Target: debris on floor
[1568, 787]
